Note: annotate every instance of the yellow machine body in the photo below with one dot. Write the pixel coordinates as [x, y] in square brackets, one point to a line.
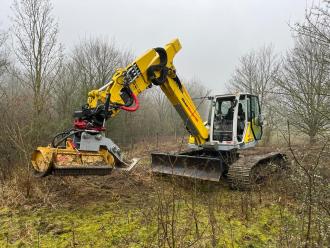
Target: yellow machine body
[235, 123]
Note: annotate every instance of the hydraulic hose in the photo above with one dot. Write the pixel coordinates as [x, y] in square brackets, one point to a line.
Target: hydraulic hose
[135, 107]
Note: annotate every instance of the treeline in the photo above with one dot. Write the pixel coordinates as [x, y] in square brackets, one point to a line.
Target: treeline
[294, 88]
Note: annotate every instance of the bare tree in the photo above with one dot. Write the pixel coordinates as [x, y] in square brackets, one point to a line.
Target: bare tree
[255, 75]
[317, 23]
[95, 60]
[66, 94]
[3, 53]
[31, 80]
[37, 49]
[5, 107]
[303, 81]
[317, 27]
[310, 181]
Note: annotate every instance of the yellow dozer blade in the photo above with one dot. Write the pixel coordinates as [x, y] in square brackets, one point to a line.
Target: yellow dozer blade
[72, 162]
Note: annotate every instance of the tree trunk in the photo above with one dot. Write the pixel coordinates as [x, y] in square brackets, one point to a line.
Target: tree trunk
[312, 138]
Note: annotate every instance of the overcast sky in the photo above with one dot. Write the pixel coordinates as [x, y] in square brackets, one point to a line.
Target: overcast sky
[214, 33]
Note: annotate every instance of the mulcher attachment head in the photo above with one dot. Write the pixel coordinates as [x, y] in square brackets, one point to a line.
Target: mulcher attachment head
[71, 162]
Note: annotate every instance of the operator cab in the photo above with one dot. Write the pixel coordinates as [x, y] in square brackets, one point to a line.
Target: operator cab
[235, 121]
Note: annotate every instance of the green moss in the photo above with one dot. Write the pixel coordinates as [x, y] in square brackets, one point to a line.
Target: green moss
[116, 225]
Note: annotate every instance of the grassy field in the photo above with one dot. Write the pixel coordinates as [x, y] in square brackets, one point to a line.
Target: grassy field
[179, 218]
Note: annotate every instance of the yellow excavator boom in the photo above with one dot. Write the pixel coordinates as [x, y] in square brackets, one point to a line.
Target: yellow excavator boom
[139, 80]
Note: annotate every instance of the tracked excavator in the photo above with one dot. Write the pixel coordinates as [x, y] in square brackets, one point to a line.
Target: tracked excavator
[214, 148]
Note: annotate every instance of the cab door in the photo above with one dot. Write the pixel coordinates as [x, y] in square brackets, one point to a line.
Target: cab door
[254, 116]
[254, 126]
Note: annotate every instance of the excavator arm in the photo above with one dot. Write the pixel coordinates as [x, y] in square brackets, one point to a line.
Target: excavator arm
[155, 67]
[86, 150]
